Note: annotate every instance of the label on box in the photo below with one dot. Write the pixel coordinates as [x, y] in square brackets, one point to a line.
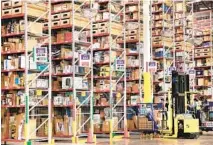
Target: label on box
[84, 60]
[83, 94]
[152, 66]
[40, 54]
[38, 92]
[119, 65]
[192, 73]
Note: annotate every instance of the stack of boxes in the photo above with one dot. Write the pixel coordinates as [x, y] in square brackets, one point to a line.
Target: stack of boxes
[161, 41]
[103, 28]
[203, 53]
[13, 65]
[133, 40]
[16, 7]
[144, 123]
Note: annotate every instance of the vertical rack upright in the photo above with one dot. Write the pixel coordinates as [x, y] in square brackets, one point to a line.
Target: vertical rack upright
[84, 49]
[134, 56]
[118, 67]
[162, 45]
[27, 91]
[43, 65]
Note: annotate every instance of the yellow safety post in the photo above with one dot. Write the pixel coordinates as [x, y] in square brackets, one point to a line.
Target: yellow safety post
[111, 131]
[74, 138]
[147, 88]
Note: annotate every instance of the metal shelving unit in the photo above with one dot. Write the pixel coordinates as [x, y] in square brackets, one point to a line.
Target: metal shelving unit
[163, 24]
[27, 33]
[203, 19]
[85, 107]
[134, 48]
[30, 89]
[117, 66]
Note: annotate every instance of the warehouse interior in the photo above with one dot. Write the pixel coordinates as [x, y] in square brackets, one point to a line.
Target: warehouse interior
[106, 72]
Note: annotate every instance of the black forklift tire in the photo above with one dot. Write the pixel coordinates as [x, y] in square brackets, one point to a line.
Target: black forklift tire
[194, 136]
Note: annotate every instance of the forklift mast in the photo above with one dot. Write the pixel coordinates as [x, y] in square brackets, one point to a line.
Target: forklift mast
[180, 85]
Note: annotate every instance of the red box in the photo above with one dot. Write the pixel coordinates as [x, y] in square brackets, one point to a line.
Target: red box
[68, 36]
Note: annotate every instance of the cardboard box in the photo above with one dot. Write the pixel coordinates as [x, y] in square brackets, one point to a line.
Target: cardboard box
[6, 12]
[97, 128]
[19, 126]
[9, 46]
[6, 4]
[59, 126]
[135, 88]
[66, 15]
[12, 128]
[56, 85]
[130, 125]
[106, 126]
[5, 126]
[60, 37]
[16, 3]
[56, 23]
[180, 7]
[35, 28]
[66, 52]
[56, 17]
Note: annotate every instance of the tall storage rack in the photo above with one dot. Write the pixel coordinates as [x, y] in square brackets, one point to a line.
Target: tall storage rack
[42, 92]
[182, 28]
[134, 57]
[203, 52]
[162, 51]
[109, 70]
[162, 47]
[25, 71]
[85, 49]
[72, 72]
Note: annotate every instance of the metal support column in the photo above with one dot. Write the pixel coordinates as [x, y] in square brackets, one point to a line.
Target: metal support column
[30, 109]
[79, 106]
[146, 33]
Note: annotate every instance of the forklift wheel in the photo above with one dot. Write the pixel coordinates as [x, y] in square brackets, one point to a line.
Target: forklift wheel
[193, 136]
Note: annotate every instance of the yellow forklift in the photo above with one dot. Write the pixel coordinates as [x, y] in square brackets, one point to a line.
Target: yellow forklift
[180, 123]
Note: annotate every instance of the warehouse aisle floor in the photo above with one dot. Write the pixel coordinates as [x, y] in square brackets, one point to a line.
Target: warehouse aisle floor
[206, 139]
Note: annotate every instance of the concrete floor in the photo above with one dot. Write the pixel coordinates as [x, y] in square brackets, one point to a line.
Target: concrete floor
[206, 139]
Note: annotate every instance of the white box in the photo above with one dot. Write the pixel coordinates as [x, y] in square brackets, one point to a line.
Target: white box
[134, 100]
[85, 84]
[97, 119]
[31, 77]
[66, 82]
[42, 83]
[67, 69]
[105, 15]
[5, 64]
[78, 82]
[70, 126]
[22, 61]
[96, 45]
[58, 100]
[32, 64]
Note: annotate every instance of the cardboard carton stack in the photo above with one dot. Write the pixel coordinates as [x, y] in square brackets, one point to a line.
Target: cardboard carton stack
[144, 123]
